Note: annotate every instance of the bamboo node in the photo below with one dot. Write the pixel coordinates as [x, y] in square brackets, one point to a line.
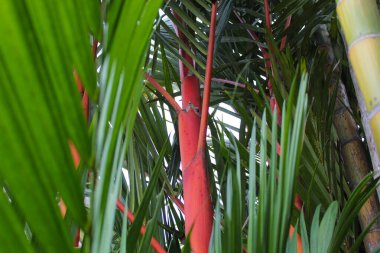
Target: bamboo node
[350, 140]
[362, 38]
[374, 111]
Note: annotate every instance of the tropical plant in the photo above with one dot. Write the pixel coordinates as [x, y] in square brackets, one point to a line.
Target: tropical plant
[360, 24]
[204, 126]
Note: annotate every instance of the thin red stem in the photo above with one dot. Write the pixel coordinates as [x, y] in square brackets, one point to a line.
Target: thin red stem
[154, 243]
[86, 110]
[94, 48]
[85, 105]
[253, 35]
[178, 203]
[283, 40]
[163, 92]
[299, 240]
[268, 20]
[274, 106]
[207, 85]
[273, 101]
[77, 238]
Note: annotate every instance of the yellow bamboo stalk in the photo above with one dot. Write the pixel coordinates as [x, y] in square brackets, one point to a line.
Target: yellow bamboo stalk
[360, 22]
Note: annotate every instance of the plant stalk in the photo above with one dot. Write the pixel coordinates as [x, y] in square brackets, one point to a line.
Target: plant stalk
[361, 28]
[154, 243]
[353, 154]
[197, 200]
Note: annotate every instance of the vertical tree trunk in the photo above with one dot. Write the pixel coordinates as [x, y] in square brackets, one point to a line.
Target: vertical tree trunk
[361, 29]
[198, 208]
[367, 129]
[373, 150]
[352, 151]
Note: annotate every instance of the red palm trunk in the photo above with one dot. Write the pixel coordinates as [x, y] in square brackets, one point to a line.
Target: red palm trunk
[198, 208]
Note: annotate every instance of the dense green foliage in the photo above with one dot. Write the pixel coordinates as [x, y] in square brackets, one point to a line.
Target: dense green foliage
[133, 130]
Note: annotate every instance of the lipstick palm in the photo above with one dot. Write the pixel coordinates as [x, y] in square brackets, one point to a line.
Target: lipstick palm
[140, 194]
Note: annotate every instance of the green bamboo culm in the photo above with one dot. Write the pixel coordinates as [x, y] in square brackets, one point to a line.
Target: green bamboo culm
[360, 21]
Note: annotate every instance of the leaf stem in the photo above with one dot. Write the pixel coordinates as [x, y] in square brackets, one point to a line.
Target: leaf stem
[283, 40]
[154, 243]
[208, 76]
[163, 92]
[268, 20]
